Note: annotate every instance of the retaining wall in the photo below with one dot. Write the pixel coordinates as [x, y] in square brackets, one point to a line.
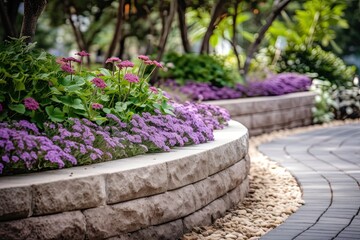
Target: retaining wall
[270, 113]
[153, 196]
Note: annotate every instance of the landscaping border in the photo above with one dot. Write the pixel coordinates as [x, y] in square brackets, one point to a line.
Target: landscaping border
[270, 113]
[152, 196]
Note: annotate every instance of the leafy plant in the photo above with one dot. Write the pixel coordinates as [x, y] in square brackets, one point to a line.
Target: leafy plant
[314, 62]
[315, 24]
[200, 68]
[346, 103]
[35, 87]
[26, 72]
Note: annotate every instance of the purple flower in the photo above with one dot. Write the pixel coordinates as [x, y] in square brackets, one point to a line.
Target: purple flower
[125, 64]
[148, 62]
[158, 64]
[112, 60]
[96, 106]
[31, 103]
[153, 89]
[132, 78]
[98, 82]
[143, 57]
[70, 59]
[67, 68]
[82, 53]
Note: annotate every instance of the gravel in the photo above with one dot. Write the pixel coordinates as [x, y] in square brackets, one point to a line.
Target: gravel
[273, 196]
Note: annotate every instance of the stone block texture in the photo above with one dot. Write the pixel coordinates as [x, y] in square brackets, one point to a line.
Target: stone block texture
[161, 200]
[265, 114]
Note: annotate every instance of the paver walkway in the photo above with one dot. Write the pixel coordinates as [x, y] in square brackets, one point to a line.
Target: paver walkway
[326, 164]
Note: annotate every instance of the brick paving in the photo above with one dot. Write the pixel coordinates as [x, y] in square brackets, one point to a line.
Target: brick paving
[326, 164]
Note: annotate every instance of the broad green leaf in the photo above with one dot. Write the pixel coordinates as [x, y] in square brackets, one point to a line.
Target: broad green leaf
[55, 114]
[70, 101]
[19, 108]
[105, 71]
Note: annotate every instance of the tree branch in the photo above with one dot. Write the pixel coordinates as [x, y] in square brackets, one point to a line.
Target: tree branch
[253, 47]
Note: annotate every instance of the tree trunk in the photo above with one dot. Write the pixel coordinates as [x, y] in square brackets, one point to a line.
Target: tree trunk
[253, 47]
[117, 33]
[164, 36]
[32, 11]
[233, 41]
[6, 22]
[182, 25]
[218, 10]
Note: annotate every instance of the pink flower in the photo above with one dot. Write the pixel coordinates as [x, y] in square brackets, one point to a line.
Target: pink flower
[158, 64]
[83, 54]
[71, 59]
[125, 64]
[66, 67]
[149, 62]
[31, 103]
[131, 78]
[153, 89]
[96, 106]
[143, 57]
[99, 83]
[113, 59]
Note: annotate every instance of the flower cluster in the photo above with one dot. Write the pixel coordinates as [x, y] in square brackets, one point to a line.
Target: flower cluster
[279, 84]
[23, 147]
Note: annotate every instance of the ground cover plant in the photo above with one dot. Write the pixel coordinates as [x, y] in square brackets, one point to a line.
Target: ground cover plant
[274, 85]
[55, 113]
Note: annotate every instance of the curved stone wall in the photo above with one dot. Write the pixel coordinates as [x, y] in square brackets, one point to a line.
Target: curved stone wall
[153, 196]
[270, 113]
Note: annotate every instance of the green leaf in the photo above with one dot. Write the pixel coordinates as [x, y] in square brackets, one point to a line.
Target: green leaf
[19, 86]
[55, 114]
[69, 101]
[19, 108]
[107, 110]
[105, 71]
[121, 106]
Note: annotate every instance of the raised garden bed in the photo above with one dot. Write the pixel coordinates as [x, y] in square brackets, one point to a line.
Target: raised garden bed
[143, 197]
[269, 113]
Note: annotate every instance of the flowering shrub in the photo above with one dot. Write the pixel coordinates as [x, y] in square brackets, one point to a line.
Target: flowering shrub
[279, 84]
[35, 87]
[346, 103]
[24, 147]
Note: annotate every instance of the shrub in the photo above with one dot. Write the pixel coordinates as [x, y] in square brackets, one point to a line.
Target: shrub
[199, 68]
[314, 62]
[346, 103]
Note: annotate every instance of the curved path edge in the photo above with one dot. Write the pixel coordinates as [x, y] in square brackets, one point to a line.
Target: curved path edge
[326, 164]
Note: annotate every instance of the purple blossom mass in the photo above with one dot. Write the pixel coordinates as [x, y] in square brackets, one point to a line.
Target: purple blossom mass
[132, 78]
[31, 103]
[126, 64]
[67, 68]
[279, 84]
[83, 54]
[98, 82]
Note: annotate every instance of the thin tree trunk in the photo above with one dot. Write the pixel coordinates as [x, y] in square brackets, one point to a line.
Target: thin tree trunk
[233, 42]
[117, 33]
[164, 36]
[253, 47]
[32, 11]
[217, 11]
[5, 19]
[182, 25]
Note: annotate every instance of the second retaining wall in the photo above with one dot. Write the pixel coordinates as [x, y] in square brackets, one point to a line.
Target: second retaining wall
[270, 113]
